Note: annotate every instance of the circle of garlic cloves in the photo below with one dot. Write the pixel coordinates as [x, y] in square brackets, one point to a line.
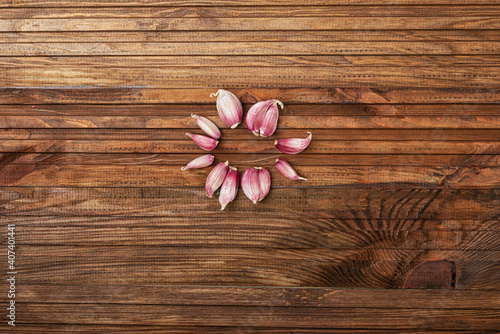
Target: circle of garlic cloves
[261, 120]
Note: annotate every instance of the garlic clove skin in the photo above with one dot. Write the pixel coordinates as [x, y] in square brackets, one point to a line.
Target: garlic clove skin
[229, 108]
[264, 182]
[200, 162]
[207, 126]
[293, 145]
[250, 184]
[229, 188]
[204, 142]
[270, 119]
[216, 178]
[287, 170]
[255, 116]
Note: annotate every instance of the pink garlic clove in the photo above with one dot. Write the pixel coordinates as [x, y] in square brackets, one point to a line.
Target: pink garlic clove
[200, 162]
[207, 126]
[250, 184]
[215, 178]
[255, 116]
[229, 108]
[204, 142]
[264, 182]
[293, 145]
[286, 169]
[229, 188]
[270, 120]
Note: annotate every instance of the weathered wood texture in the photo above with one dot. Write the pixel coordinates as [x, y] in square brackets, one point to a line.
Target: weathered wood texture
[396, 230]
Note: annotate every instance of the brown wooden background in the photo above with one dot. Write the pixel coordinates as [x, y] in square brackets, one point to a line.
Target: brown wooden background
[402, 97]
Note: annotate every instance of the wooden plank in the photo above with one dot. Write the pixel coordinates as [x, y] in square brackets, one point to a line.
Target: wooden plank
[253, 23]
[200, 77]
[132, 329]
[303, 159]
[332, 95]
[251, 48]
[248, 11]
[318, 267]
[259, 296]
[317, 176]
[264, 233]
[265, 146]
[251, 61]
[305, 122]
[242, 134]
[250, 36]
[281, 202]
[232, 223]
[217, 3]
[209, 110]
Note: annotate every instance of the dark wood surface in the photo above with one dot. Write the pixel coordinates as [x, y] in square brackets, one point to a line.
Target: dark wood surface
[396, 230]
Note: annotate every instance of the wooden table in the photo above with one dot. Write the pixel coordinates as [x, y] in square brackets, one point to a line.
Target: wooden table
[396, 229]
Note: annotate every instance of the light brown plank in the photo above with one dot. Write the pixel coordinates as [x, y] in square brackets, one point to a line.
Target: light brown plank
[216, 3]
[207, 110]
[251, 48]
[200, 77]
[251, 61]
[248, 11]
[319, 267]
[332, 95]
[250, 36]
[256, 233]
[263, 146]
[281, 202]
[303, 159]
[317, 176]
[252, 23]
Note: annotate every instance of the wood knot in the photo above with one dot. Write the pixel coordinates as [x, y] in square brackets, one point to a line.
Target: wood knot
[432, 275]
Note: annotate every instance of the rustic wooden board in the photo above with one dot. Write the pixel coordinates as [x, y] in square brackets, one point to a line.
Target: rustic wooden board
[396, 229]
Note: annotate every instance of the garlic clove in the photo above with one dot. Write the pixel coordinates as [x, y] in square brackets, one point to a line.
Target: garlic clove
[264, 182]
[207, 126]
[204, 142]
[250, 184]
[287, 170]
[293, 145]
[229, 108]
[270, 119]
[229, 188]
[255, 116]
[215, 178]
[200, 162]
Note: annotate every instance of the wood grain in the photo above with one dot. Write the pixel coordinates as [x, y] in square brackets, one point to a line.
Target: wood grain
[281, 203]
[332, 95]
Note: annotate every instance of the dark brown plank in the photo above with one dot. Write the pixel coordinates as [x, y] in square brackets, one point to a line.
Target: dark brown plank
[303, 159]
[250, 36]
[318, 176]
[263, 146]
[285, 122]
[318, 267]
[248, 11]
[251, 48]
[207, 110]
[255, 233]
[281, 202]
[332, 95]
[259, 296]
